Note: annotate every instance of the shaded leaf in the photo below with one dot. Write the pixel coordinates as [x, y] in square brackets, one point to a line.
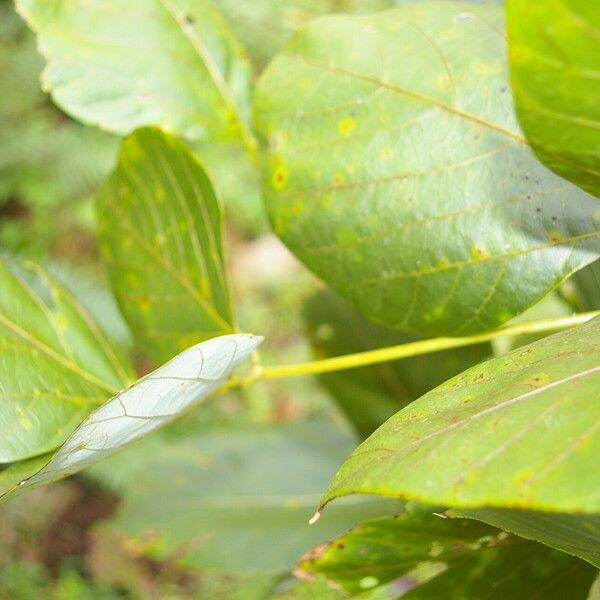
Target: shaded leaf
[370, 395]
[122, 63]
[234, 498]
[555, 71]
[397, 172]
[145, 406]
[161, 229]
[56, 365]
[576, 534]
[521, 430]
[429, 557]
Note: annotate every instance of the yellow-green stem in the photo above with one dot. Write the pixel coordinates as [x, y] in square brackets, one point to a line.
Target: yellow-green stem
[370, 357]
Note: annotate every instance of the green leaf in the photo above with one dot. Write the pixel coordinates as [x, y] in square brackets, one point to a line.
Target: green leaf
[56, 365]
[555, 71]
[143, 407]
[576, 534]
[121, 64]
[397, 172]
[234, 497]
[437, 558]
[521, 430]
[370, 395]
[161, 231]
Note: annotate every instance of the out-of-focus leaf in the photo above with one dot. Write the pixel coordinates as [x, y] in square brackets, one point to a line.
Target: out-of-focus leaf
[473, 560]
[234, 498]
[161, 229]
[145, 406]
[121, 64]
[518, 431]
[583, 289]
[576, 534]
[554, 49]
[370, 395]
[56, 365]
[396, 170]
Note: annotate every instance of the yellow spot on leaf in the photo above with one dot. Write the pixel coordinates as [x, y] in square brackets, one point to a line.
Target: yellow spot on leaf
[346, 125]
[279, 178]
[478, 252]
[386, 153]
[25, 423]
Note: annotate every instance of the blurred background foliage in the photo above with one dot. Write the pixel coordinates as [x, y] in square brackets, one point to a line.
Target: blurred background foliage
[120, 531]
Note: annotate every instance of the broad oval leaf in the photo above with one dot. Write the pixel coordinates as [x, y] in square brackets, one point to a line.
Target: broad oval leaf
[577, 534]
[429, 557]
[121, 64]
[234, 497]
[143, 407]
[518, 431]
[56, 364]
[554, 49]
[161, 230]
[370, 395]
[398, 174]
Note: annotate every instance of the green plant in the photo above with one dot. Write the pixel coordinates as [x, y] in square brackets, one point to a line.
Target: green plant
[395, 169]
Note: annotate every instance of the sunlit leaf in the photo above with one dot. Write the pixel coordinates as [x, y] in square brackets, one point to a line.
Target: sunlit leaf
[555, 73]
[145, 406]
[397, 172]
[161, 230]
[121, 64]
[429, 557]
[521, 430]
[56, 365]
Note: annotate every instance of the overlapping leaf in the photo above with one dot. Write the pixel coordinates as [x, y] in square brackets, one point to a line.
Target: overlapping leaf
[398, 174]
[520, 431]
[121, 64]
[555, 72]
[160, 228]
[234, 497]
[428, 557]
[143, 407]
[370, 395]
[56, 365]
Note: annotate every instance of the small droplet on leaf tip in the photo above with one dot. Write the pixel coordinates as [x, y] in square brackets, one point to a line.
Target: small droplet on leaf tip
[315, 517]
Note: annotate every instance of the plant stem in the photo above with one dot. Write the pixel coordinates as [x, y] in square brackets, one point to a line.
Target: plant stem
[370, 357]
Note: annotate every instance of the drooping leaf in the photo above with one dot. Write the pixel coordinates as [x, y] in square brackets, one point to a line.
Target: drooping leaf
[161, 229]
[521, 430]
[143, 407]
[56, 365]
[234, 497]
[397, 171]
[370, 395]
[577, 534]
[121, 64]
[429, 557]
[555, 73]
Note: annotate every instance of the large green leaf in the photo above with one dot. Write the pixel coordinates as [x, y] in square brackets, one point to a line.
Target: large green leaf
[576, 534]
[160, 228]
[451, 559]
[234, 497]
[397, 171]
[56, 366]
[521, 430]
[370, 395]
[125, 63]
[143, 407]
[555, 73]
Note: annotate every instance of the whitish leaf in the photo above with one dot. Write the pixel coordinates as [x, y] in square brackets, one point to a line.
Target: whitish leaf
[520, 431]
[429, 557]
[370, 395]
[576, 534]
[125, 63]
[56, 366]
[145, 406]
[555, 73]
[235, 498]
[161, 229]
[398, 174]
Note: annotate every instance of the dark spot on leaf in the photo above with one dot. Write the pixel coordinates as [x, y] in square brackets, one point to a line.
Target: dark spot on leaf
[538, 209]
[189, 19]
